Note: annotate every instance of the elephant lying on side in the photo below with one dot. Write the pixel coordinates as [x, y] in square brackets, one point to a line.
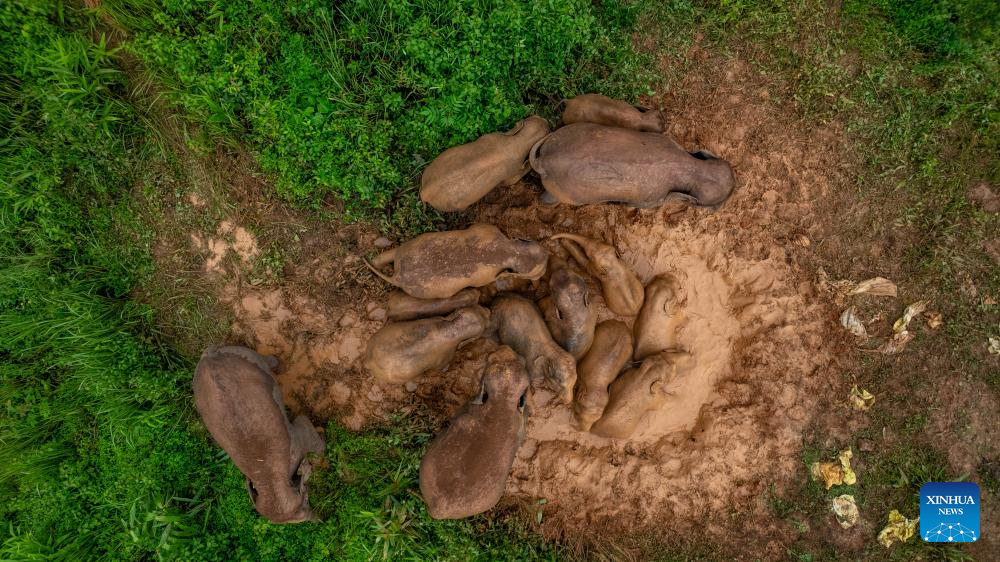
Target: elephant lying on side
[587, 163]
[437, 265]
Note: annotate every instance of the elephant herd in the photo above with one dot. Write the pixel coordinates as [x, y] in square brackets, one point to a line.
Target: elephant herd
[447, 295]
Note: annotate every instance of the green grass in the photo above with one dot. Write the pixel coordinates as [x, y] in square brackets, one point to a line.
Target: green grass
[101, 455]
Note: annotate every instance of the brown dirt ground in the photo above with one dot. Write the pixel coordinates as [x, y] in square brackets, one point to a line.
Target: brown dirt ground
[763, 327]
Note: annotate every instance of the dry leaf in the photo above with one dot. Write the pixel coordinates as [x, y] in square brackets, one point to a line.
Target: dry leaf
[860, 398]
[833, 473]
[876, 286]
[849, 320]
[899, 529]
[994, 346]
[829, 472]
[934, 320]
[896, 343]
[845, 462]
[988, 300]
[843, 286]
[908, 315]
[846, 510]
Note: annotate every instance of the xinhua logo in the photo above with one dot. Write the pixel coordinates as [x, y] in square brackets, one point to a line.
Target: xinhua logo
[949, 512]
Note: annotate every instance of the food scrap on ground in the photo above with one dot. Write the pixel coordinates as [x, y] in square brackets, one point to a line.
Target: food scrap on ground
[861, 399]
[899, 529]
[896, 343]
[834, 473]
[934, 320]
[993, 346]
[908, 315]
[876, 287]
[846, 510]
[850, 321]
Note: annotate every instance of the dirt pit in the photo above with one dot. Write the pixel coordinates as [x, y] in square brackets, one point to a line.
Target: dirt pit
[763, 333]
[750, 319]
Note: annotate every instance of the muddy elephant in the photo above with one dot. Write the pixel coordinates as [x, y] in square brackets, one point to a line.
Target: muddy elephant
[241, 405]
[586, 163]
[608, 356]
[640, 390]
[465, 468]
[402, 350]
[660, 317]
[437, 265]
[601, 110]
[622, 290]
[569, 312]
[464, 174]
[517, 322]
[404, 307]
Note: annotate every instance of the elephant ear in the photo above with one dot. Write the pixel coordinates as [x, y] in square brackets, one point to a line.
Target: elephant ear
[541, 366]
[251, 491]
[658, 388]
[517, 128]
[483, 396]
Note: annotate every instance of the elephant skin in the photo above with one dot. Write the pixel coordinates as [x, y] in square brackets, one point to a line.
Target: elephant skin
[610, 353]
[464, 174]
[587, 163]
[569, 314]
[241, 405]
[638, 391]
[465, 468]
[518, 323]
[595, 108]
[404, 307]
[400, 351]
[622, 290]
[437, 265]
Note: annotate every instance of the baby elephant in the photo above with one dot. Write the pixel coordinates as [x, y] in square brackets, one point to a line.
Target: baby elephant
[241, 405]
[517, 322]
[569, 314]
[612, 350]
[638, 391]
[622, 290]
[595, 108]
[465, 468]
[657, 323]
[402, 350]
[587, 163]
[464, 174]
[437, 265]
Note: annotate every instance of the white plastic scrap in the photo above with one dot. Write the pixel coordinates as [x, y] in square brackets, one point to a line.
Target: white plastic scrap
[849, 320]
[846, 510]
